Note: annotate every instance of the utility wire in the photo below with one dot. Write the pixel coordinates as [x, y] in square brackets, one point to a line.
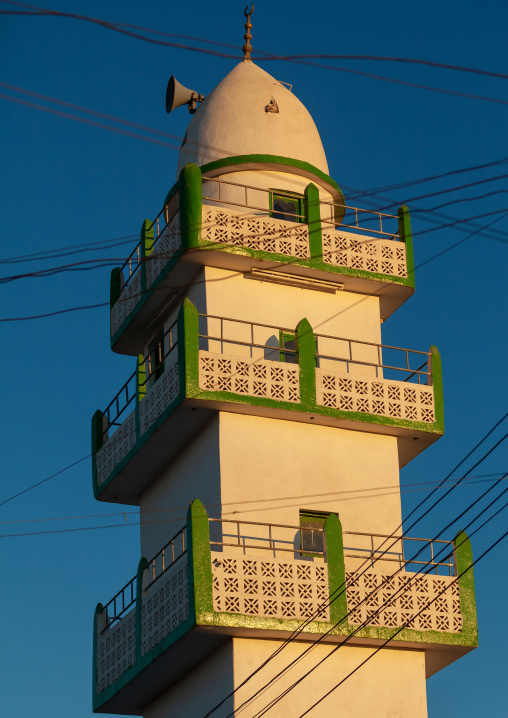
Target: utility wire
[46, 315]
[346, 495]
[474, 562]
[338, 592]
[41, 12]
[386, 603]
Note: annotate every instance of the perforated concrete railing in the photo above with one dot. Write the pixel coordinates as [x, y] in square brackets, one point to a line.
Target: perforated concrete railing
[161, 394]
[264, 233]
[126, 303]
[116, 651]
[115, 448]
[265, 586]
[393, 601]
[382, 256]
[267, 379]
[165, 605]
[164, 250]
[394, 399]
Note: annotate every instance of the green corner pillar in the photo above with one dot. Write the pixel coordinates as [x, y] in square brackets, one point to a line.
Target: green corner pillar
[306, 346]
[336, 569]
[142, 565]
[146, 248]
[464, 562]
[188, 348]
[191, 202]
[406, 236]
[313, 212]
[436, 379]
[200, 562]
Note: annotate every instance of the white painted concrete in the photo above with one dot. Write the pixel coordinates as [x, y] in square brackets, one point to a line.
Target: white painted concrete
[233, 121]
[390, 685]
[266, 470]
[343, 314]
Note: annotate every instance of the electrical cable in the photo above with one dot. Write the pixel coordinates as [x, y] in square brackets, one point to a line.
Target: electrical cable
[474, 562]
[426, 569]
[342, 589]
[46, 315]
[43, 12]
[361, 494]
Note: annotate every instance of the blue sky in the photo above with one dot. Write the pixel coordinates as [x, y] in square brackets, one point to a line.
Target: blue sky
[67, 183]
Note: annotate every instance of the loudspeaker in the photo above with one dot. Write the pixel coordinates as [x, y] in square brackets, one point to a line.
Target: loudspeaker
[178, 95]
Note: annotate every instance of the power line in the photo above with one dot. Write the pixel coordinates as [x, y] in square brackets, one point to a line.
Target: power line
[46, 315]
[341, 590]
[380, 608]
[48, 478]
[346, 495]
[473, 563]
[86, 121]
[42, 12]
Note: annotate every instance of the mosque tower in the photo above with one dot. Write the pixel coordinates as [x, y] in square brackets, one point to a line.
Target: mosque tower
[265, 408]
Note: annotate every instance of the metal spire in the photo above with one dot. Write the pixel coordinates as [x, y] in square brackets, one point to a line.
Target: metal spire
[247, 48]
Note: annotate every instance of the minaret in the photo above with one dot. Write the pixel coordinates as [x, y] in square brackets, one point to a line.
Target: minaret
[265, 408]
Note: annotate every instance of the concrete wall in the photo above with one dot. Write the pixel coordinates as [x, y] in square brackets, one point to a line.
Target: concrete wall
[391, 685]
[194, 473]
[266, 470]
[344, 314]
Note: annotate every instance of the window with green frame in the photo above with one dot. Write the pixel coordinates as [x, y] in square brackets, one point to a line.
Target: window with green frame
[156, 359]
[288, 348]
[312, 537]
[288, 206]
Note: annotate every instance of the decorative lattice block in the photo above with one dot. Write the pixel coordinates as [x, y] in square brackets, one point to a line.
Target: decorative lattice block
[396, 399]
[263, 586]
[115, 448]
[169, 242]
[161, 394]
[256, 232]
[116, 651]
[165, 605]
[252, 377]
[382, 256]
[126, 302]
[385, 600]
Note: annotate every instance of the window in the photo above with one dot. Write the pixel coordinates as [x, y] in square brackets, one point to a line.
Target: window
[288, 206]
[287, 341]
[312, 537]
[156, 359]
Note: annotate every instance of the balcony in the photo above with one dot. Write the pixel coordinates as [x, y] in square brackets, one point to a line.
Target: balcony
[260, 579]
[217, 363]
[224, 224]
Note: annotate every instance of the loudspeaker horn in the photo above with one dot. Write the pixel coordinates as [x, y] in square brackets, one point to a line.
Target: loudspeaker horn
[178, 95]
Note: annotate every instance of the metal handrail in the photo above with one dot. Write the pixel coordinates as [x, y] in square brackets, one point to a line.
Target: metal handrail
[266, 210]
[252, 343]
[333, 205]
[158, 232]
[398, 556]
[151, 567]
[127, 387]
[271, 541]
[344, 207]
[131, 585]
[379, 364]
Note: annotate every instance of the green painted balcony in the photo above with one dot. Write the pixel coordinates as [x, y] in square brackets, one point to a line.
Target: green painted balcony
[208, 363]
[219, 578]
[207, 220]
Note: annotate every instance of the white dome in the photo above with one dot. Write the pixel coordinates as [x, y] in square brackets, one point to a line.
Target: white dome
[233, 121]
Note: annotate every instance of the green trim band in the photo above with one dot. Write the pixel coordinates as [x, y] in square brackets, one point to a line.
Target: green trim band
[189, 388]
[201, 612]
[191, 202]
